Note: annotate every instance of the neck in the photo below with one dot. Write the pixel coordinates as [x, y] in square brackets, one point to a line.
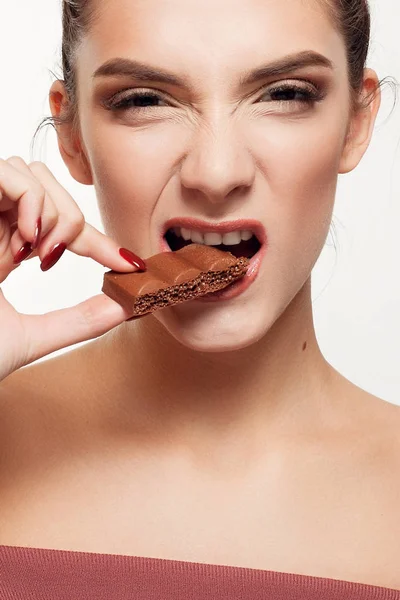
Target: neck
[275, 387]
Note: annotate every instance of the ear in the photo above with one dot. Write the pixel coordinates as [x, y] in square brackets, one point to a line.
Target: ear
[362, 123]
[69, 142]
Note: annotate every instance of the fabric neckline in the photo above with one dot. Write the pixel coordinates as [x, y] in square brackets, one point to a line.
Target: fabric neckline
[196, 568]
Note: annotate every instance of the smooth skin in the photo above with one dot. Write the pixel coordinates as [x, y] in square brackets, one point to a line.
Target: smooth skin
[213, 433]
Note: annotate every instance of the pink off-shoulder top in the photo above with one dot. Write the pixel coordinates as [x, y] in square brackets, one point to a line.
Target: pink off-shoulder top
[41, 574]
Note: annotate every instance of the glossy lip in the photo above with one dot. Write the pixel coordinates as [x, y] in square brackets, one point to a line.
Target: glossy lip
[235, 289]
[253, 225]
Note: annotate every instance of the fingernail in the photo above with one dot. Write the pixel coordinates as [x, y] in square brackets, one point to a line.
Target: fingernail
[132, 259]
[53, 256]
[23, 253]
[38, 231]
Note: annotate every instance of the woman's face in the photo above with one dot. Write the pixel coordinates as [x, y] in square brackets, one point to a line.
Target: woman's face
[214, 147]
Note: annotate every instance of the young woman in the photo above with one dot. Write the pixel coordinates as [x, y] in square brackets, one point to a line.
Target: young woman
[171, 451]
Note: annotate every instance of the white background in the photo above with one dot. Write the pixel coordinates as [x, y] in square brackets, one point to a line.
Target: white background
[356, 291]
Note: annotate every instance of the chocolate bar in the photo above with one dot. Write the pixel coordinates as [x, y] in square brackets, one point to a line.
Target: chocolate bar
[174, 277]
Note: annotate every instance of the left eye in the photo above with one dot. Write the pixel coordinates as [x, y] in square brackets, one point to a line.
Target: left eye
[292, 94]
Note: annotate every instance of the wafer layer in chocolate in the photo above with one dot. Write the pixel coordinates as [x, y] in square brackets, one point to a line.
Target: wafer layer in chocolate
[174, 277]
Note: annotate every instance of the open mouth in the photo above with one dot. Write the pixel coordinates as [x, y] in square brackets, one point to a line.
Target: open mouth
[239, 243]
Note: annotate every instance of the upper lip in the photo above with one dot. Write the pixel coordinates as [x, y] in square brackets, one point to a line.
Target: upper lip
[256, 227]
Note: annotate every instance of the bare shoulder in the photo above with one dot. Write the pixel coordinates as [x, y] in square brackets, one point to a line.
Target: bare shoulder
[39, 406]
[384, 416]
[376, 422]
[56, 380]
[35, 384]
[387, 425]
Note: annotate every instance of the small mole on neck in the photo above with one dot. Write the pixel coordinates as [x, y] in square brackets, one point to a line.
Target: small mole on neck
[304, 346]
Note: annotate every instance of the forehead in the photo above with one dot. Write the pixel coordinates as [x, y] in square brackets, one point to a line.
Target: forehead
[194, 34]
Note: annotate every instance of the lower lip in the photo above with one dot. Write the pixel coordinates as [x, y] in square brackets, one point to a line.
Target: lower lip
[237, 288]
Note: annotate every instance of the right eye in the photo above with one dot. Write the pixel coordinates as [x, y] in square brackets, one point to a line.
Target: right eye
[136, 101]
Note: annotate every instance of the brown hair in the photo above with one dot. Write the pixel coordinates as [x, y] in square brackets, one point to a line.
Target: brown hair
[78, 17]
[350, 17]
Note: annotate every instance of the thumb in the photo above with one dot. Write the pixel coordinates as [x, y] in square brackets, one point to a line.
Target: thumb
[61, 328]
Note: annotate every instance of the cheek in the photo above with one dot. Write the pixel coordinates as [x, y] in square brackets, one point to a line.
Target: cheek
[301, 162]
[301, 152]
[130, 172]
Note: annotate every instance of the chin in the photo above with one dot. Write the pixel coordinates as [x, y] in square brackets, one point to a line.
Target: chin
[237, 323]
[206, 328]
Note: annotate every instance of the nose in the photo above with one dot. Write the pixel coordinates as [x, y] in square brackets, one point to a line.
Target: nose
[219, 166]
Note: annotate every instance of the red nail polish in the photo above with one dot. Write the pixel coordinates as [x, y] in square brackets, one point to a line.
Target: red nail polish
[38, 232]
[23, 253]
[53, 256]
[132, 259]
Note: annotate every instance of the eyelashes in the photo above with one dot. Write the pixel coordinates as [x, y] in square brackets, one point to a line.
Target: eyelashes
[295, 93]
[142, 98]
[288, 96]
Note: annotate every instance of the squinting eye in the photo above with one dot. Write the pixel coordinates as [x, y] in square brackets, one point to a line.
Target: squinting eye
[294, 93]
[285, 94]
[136, 101]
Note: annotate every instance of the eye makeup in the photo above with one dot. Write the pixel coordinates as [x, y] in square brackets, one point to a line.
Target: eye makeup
[287, 94]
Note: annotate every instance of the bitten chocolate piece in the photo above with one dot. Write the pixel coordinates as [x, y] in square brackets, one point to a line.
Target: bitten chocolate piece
[174, 277]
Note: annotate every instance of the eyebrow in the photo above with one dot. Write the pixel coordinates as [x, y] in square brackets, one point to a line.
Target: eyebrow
[125, 67]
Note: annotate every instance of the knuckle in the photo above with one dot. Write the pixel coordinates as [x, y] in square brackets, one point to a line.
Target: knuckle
[37, 190]
[78, 221]
[37, 166]
[86, 315]
[75, 219]
[16, 159]
[92, 320]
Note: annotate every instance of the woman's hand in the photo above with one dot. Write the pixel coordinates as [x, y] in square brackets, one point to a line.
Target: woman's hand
[38, 217]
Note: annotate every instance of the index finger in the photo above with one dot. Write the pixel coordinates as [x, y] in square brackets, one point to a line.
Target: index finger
[87, 240]
[104, 250]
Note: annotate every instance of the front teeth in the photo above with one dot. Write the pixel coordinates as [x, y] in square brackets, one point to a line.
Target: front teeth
[213, 239]
[232, 238]
[197, 237]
